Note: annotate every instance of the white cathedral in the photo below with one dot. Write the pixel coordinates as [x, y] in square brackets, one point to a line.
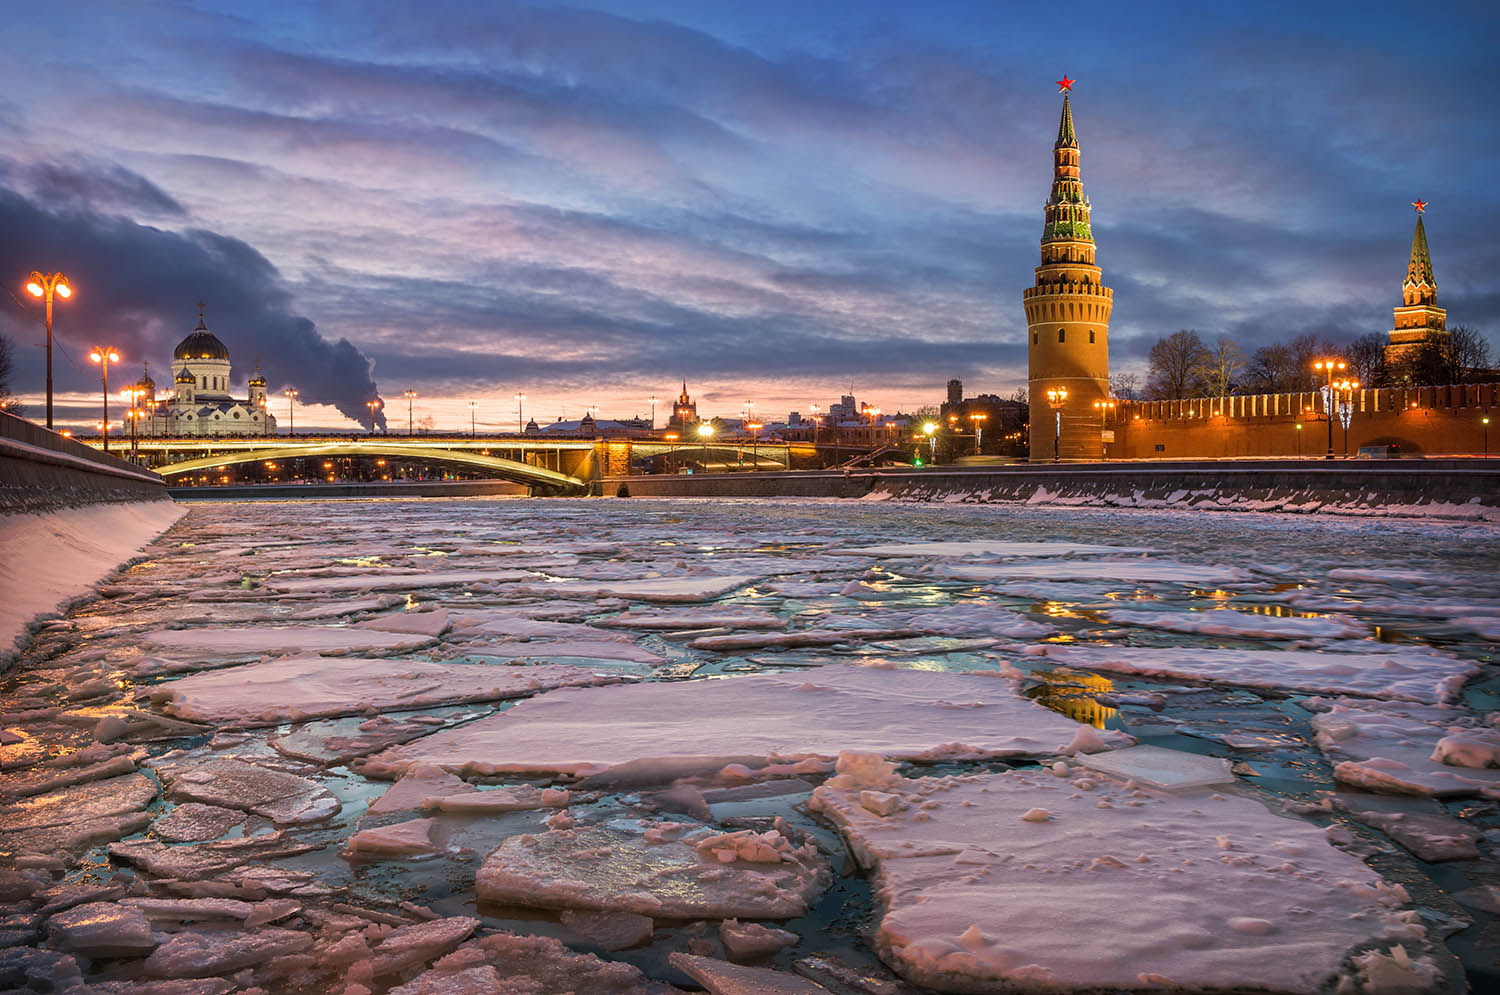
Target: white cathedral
[200, 403]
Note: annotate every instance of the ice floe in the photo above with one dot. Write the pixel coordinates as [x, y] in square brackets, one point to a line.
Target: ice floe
[1378, 670]
[672, 728]
[987, 548]
[1186, 890]
[1409, 749]
[274, 640]
[295, 688]
[1245, 625]
[680, 590]
[1144, 570]
[282, 797]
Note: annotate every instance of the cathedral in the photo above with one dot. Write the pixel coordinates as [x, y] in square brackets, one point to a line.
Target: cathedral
[200, 404]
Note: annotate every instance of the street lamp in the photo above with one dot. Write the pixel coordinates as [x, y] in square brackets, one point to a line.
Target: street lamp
[1485, 421]
[1345, 393]
[521, 422]
[410, 396]
[652, 401]
[103, 355]
[976, 417]
[473, 432]
[374, 406]
[671, 438]
[1329, 366]
[1299, 440]
[40, 284]
[705, 432]
[755, 428]
[1055, 397]
[133, 395]
[1106, 409]
[929, 429]
[291, 423]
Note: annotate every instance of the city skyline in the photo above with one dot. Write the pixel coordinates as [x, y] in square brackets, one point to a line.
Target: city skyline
[588, 204]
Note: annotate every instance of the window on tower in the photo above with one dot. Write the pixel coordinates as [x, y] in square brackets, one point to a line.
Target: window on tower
[1091, 336]
[1062, 335]
[1034, 338]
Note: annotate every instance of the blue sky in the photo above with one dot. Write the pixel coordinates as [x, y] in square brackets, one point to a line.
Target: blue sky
[775, 201]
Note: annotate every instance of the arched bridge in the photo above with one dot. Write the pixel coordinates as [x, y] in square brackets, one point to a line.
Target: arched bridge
[537, 477]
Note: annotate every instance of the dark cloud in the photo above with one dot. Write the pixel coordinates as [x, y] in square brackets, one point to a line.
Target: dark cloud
[89, 186]
[136, 287]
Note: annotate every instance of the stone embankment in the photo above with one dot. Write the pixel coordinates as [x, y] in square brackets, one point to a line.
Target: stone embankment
[1466, 489]
[69, 516]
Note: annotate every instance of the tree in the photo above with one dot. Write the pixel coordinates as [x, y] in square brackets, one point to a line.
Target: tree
[1271, 370]
[8, 400]
[1305, 351]
[1465, 357]
[1174, 364]
[1219, 368]
[1124, 385]
[1366, 358]
[926, 413]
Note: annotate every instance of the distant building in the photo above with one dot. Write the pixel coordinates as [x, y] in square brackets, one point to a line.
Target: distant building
[684, 412]
[200, 404]
[955, 391]
[1418, 318]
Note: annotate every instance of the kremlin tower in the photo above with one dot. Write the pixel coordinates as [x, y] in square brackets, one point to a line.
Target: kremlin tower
[1418, 318]
[1067, 317]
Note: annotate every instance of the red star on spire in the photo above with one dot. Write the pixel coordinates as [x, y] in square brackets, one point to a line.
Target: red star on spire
[1064, 85]
[1419, 204]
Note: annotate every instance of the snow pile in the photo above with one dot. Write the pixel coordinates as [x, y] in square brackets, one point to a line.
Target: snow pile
[665, 730]
[662, 870]
[296, 688]
[1409, 749]
[49, 560]
[1377, 670]
[1194, 890]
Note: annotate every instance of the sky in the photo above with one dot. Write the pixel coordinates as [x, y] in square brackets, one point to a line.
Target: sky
[592, 202]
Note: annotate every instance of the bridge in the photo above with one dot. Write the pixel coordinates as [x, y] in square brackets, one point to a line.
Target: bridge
[548, 466]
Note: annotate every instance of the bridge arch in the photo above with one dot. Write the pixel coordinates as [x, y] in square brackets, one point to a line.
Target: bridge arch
[504, 469]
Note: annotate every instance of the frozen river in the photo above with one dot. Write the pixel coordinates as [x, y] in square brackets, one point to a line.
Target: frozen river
[614, 746]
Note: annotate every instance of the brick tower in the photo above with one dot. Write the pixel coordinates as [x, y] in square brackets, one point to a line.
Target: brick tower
[1067, 316]
[1418, 318]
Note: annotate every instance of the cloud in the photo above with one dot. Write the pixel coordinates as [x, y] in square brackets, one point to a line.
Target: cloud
[135, 286]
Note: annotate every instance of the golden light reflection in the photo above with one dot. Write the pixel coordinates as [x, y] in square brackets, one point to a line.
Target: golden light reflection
[1073, 694]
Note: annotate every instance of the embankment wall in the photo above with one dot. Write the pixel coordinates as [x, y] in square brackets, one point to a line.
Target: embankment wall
[42, 471]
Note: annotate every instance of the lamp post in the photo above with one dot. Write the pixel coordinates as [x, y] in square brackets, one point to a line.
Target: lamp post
[374, 406]
[977, 417]
[1329, 366]
[1345, 407]
[44, 285]
[521, 421]
[103, 355]
[1485, 421]
[473, 431]
[132, 395]
[1299, 440]
[410, 396]
[755, 428]
[652, 401]
[671, 438]
[1055, 397]
[291, 417]
[705, 432]
[929, 429]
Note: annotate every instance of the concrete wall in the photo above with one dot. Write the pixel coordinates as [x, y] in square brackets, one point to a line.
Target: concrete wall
[43, 471]
[1461, 489]
[392, 488]
[1418, 420]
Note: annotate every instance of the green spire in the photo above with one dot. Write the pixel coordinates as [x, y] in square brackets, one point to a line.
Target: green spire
[1065, 135]
[1419, 269]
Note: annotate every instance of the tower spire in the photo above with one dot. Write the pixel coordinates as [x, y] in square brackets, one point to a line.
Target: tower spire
[1419, 287]
[201, 326]
[1066, 137]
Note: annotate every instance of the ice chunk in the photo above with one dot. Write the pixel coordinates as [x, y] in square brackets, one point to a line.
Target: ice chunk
[285, 799]
[988, 548]
[618, 868]
[403, 839]
[675, 728]
[282, 639]
[1228, 622]
[1171, 770]
[194, 954]
[1375, 670]
[1390, 747]
[308, 687]
[966, 906]
[79, 803]
[692, 618]
[194, 823]
[421, 782]
[683, 590]
[752, 941]
[431, 624]
[609, 930]
[490, 802]
[1153, 571]
[529, 965]
[395, 581]
[102, 929]
[1417, 824]
[722, 978]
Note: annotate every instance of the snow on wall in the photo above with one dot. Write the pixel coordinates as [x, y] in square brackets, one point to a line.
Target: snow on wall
[51, 559]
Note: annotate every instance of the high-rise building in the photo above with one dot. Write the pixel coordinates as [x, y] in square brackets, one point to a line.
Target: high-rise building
[1067, 316]
[955, 391]
[685, 411]
[1418, 318]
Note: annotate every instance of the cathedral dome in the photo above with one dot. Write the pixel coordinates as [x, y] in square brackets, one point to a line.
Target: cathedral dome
[200, 344]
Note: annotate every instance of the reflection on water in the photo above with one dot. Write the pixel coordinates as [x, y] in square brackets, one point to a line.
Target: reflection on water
[1074, 694]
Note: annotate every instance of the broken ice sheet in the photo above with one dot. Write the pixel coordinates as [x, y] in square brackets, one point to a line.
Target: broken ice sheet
[682, 590]
[671, 870]
[986, 548]
[1244, 625]
[1169, 770]
[274, 640]
[1377, 670]
[1196, 891]
[282, 797]
[1145, 570]
[665, 730]
[1408, 749]
[294, 688]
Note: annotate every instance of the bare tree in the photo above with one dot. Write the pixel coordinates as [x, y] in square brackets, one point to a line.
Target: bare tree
[8, 400]
[1271, 370]
[1472, 355]
[1124, 385]
[1219, 368]
[1366, 358]
[1305, 351]
[1174, 365]
[1465, 357]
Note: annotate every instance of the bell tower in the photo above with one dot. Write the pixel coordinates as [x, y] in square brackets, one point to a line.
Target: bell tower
[1067, 316]
[1418, 318]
